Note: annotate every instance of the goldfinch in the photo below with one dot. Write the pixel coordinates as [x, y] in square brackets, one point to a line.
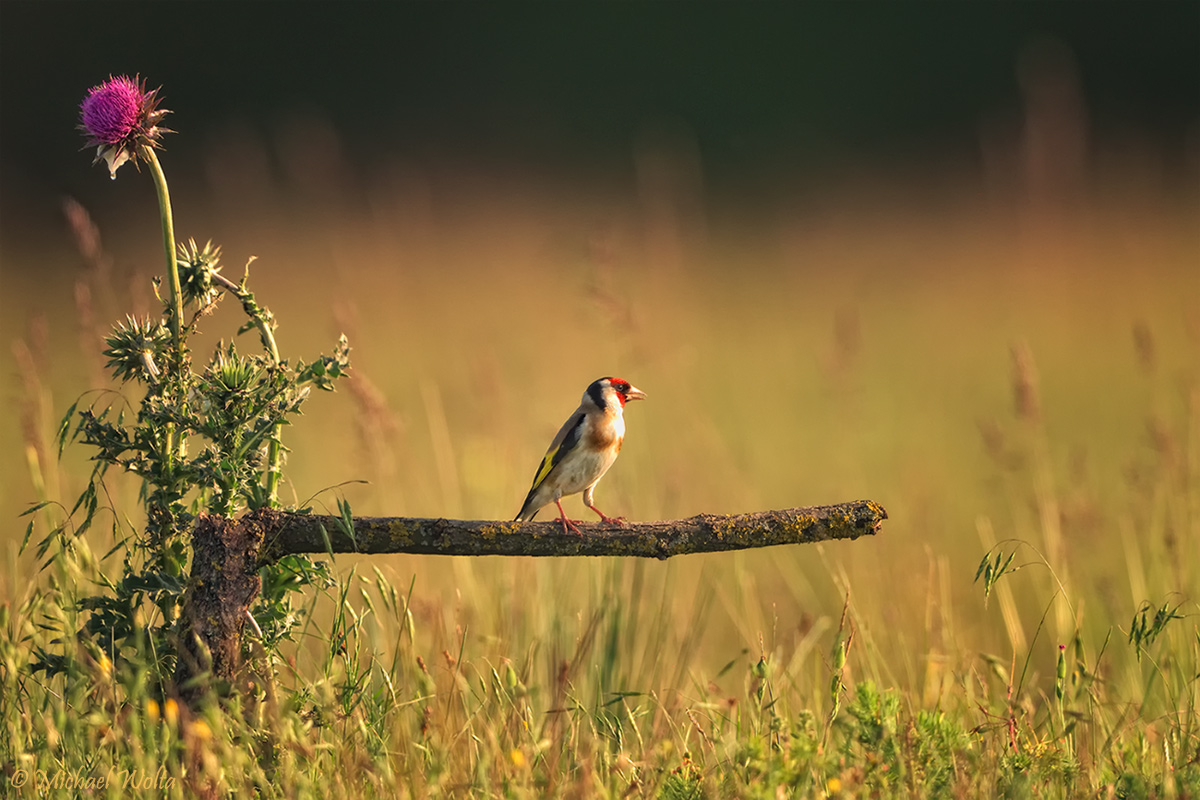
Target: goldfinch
[585, 447]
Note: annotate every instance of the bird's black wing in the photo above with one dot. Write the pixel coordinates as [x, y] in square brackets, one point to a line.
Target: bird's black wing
[567, 440]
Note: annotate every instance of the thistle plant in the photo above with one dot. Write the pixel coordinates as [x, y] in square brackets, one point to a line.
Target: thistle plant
[202, 440]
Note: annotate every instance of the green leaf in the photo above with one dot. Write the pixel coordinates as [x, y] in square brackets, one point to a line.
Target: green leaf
[64, 428]
[346, 521]
[36, 507]
[25, 541]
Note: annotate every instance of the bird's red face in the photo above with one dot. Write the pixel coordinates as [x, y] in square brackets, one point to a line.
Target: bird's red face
[624, 390]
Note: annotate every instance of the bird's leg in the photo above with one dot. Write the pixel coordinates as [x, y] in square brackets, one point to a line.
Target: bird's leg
[566, 523]
[607, 520]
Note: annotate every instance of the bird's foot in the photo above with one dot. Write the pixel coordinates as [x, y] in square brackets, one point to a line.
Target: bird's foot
[606, 519]
[566, 522]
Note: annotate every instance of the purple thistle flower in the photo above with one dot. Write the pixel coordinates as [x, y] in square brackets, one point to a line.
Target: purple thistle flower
[110, 110]
[118, 117]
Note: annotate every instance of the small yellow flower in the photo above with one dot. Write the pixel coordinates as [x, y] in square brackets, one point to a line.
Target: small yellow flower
[200, 730]
[104, 666]
[518, 758]
[152, 710]
[171, 711]
[52, 737]
[833, 786]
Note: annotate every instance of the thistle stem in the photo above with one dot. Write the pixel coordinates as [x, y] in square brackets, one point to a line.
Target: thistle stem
[174, 445]
[168, 228]
[272, 473]
[275, 448]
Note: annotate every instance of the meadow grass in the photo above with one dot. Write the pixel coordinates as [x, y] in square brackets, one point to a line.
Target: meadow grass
[1002, 388]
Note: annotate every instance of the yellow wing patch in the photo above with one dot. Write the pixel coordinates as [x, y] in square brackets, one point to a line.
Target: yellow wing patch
[547, 465]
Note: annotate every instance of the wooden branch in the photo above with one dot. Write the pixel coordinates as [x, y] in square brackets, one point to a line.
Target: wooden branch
[288, 533]
[227, 554]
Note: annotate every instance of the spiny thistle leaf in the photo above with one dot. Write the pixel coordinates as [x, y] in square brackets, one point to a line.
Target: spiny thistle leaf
[322, 372]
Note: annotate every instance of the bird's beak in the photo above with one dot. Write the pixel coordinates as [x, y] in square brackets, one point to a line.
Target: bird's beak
[635, 394]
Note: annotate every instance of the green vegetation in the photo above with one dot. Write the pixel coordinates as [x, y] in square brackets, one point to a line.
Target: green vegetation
[1027, 409]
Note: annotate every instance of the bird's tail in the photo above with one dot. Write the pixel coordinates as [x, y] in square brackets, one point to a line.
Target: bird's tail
[528, 510]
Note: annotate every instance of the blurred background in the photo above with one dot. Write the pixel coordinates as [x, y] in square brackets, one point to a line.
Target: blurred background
[944, 257]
